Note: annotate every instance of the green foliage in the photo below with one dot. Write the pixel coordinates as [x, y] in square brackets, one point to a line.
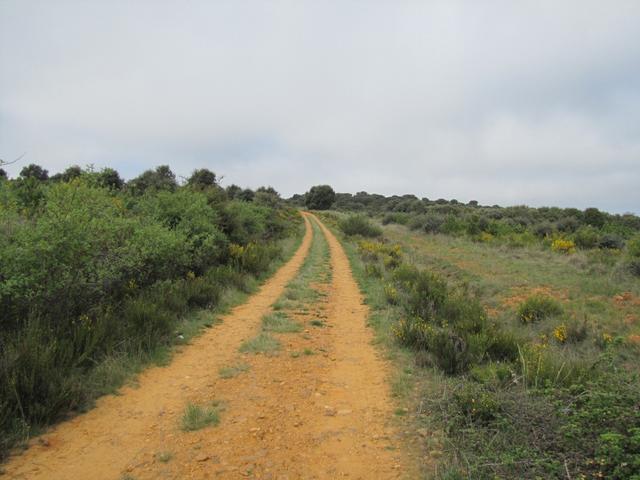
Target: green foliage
[34, 171]
[262, 343]
[450, 325]
[320, 197]
[109, 178]
[202, 179]
[537, 308]
[196, 417]
[162, 178]
[279, 322]
[90, 273]
[359, 225]
[587, 237]
[594, 217]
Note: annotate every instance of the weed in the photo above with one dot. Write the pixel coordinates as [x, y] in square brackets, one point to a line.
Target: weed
[196, 417]
[263, 343]
[233, 370]
[280, 322]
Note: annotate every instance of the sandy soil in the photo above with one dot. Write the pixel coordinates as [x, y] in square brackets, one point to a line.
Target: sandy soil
[289, 416]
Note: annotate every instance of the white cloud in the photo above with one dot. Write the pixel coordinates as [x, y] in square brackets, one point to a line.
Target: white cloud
[505, 102]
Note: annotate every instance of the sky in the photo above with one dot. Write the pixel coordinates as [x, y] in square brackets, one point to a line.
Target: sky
[503, 102]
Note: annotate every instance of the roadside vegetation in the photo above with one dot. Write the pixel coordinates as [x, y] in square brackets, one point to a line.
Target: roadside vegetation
[99, 276]
[512, 361]
[606, 238]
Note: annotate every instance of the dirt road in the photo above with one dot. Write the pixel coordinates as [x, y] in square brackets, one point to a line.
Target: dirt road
[316, 409]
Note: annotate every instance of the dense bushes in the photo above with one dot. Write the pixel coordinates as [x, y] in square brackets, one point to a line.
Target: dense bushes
[560, 229]
[89, 274]
[359, 225]
[520, 399]
[449, 325]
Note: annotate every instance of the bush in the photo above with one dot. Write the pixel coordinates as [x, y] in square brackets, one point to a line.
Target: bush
[562, 245]
[587, 237]
[89, 274]
[612, 241]
[359, 225]
[538, 307]
[396, 217]
[433, 223]
[450, 325]
[422, 293]
[477, 404]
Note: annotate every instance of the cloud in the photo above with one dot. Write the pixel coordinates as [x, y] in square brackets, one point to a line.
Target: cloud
[527, 102]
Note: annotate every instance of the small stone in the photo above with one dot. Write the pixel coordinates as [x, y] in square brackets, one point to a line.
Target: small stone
[329, 412]
[423, 432]
[203, 457]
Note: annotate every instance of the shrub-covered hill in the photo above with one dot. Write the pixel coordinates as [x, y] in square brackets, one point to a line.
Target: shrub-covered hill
[563, 230]
[94, 271]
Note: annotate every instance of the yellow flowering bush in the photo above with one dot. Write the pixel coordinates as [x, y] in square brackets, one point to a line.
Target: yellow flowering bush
[563, 245]
[485, 237]
[560, 333]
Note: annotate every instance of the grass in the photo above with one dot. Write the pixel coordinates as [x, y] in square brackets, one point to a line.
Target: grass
[315, 269]
[279, 322]
[263, 343]
[537, 417]
[196, 417]
[233, 370]
[317, 323]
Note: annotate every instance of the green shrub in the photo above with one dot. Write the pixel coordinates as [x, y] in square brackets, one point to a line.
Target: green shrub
[586, 237]
[538, 307]
[89, 275]
[477, 404]
[396, 217]
[359, 225]
[611, 240]
[421, 293]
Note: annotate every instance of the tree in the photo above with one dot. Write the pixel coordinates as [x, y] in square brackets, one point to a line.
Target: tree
[202, 178]
[34, 171]
[594, 217]
[162, 178]
[320, 197]
[267, 196]
[109, 178]
[3, 174]
[246, 195]
[233, 191]
[69, 174]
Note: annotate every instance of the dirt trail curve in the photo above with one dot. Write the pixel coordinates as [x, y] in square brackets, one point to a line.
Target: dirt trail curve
[315, 416]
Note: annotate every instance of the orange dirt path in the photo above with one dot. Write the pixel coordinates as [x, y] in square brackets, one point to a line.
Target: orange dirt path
[317, 416]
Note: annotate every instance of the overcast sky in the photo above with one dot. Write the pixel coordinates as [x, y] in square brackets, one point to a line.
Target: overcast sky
[506, 102]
